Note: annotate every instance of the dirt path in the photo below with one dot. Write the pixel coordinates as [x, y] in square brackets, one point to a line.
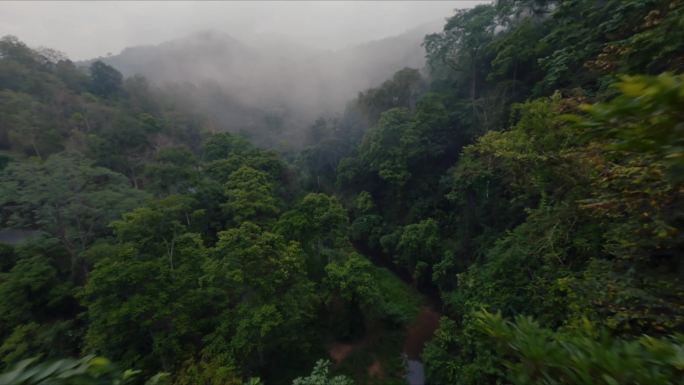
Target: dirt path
[420, 331]
[339, 351]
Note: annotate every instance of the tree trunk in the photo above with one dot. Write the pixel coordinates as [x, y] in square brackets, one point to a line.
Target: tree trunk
[473, 85]
[35, 148]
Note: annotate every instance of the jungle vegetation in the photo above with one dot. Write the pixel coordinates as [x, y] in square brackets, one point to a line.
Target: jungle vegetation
[529, 187]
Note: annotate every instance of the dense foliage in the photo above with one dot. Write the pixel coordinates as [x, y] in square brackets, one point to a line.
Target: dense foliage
[534, 174]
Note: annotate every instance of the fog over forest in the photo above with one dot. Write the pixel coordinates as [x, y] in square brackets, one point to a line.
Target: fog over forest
[267, 70]
[278, 83]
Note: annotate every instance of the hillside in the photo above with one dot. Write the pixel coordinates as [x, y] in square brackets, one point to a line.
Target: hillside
[241, 85]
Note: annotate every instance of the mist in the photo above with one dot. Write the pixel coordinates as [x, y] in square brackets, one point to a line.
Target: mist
[265, 69]
[84, 30]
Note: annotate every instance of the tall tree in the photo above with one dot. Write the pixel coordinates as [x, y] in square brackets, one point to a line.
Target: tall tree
[67, 197]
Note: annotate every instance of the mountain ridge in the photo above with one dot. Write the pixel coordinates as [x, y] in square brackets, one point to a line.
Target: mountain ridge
[238, 83]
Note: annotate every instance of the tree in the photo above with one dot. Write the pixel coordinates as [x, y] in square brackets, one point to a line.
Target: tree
[535, 355]
[124, 146]
[401, 91]
[173, 171]
[89, 370]
[319, 376]
[105, 81]
[29, 290]
[220, 146]
[320, 224]
[157, 250]
[387, 147]
[141, 310]
[26, 124]
[352, 296]
[352, 280]
[267, 299]
[250, 195]
[158, 227]
[37, 305]
[67, 197]
[644, 119]
[463, 44]
[418, 247]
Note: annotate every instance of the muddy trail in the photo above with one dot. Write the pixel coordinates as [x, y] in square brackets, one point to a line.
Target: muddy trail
[420, 332]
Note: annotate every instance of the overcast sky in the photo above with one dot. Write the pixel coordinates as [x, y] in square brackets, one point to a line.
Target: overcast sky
[84, 29]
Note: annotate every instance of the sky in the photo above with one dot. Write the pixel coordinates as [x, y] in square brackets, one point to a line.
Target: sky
[88, 29]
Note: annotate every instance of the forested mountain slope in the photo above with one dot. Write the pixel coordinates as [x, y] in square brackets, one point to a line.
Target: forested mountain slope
[531, 186]
[266, 88]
